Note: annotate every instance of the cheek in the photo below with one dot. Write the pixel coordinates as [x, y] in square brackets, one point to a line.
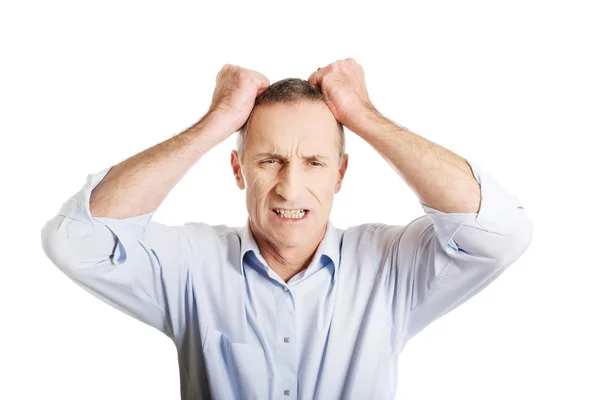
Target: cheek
[325, 182]
[257, 190]
[260, 187]
[255, 182]
[322, 189]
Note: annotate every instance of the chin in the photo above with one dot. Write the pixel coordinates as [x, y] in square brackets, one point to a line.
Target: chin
[291, 237]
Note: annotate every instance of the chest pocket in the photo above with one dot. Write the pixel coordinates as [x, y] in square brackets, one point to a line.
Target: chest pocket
[235, 370]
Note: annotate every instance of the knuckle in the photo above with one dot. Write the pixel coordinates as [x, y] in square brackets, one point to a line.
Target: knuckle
[246, 74]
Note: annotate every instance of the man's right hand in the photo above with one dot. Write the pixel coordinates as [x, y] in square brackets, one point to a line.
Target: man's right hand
[139, 184]
[233, 99]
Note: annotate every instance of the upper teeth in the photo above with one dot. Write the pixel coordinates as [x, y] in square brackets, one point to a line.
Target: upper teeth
[290, 213]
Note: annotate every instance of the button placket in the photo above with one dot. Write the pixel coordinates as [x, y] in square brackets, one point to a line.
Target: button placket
[285, 330]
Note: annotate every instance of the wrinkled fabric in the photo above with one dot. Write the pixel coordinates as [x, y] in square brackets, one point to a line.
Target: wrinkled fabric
[334, 330]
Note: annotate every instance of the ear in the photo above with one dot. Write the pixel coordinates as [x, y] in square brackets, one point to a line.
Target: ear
[341, 174]
[237, 170]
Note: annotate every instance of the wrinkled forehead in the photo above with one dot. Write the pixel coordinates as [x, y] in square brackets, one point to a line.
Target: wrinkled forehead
[306, 124]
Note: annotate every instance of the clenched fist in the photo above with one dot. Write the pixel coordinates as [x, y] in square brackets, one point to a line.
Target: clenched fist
[233, 99]
[343, 86]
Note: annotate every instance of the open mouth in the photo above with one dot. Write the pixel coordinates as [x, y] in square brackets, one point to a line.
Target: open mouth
[297, 215]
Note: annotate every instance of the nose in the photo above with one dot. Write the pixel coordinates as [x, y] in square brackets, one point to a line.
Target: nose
[290, 184]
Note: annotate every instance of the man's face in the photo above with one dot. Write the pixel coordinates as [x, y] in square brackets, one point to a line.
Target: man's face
[280, 172]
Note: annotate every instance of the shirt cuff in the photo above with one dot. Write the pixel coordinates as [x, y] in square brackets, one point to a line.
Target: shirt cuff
[127, 230]
[498, 212]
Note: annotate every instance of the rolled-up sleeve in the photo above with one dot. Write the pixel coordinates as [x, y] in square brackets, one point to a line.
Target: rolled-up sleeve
[456, 255]
[133, 264]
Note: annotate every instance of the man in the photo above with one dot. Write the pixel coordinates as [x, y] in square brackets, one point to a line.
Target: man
[289, 306]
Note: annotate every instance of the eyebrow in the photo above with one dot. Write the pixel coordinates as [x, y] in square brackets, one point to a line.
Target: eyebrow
[314, 157]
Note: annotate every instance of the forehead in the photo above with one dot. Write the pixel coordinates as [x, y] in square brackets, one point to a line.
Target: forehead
[306, 124]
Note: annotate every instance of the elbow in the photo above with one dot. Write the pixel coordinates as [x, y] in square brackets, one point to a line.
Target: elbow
[516, 242]
[72, 245]
[54, 239]
[495, 249]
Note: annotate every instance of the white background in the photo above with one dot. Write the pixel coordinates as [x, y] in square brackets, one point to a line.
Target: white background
[511, 85]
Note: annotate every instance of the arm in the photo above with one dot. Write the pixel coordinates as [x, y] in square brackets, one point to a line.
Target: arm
[103, 237]
[440, 178]
[441, 260]
[139, 184]
[473, 229]
[136, 265]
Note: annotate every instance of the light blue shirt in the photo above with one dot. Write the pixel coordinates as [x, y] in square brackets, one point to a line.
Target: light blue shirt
[335, 330]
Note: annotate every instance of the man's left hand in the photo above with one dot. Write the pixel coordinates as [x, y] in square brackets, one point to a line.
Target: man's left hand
[343, 85]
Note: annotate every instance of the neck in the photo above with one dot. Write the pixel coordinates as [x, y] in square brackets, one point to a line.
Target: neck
[287, 261]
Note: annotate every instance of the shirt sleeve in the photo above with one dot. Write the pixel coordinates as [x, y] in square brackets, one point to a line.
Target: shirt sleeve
[456, 255]
[133, 264]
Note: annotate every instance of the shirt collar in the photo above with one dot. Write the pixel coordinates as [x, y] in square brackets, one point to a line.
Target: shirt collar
[329, 246]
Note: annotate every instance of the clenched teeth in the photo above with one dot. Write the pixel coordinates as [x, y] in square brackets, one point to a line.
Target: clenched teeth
[290, 214]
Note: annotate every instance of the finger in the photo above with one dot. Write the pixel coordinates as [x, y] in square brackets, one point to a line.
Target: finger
[262, 86]
[260, 81]
[316, 77]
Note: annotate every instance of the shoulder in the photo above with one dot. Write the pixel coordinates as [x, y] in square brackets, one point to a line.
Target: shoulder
[207, 236]
[378, 238]
[380, 233]
[210, 232]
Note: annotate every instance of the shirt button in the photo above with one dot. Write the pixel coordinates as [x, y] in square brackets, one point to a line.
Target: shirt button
[285, 288]
[286, 339]
[286, 392]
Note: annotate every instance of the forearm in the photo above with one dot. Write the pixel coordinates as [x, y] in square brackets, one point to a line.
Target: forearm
[441, 179]
[139, 184]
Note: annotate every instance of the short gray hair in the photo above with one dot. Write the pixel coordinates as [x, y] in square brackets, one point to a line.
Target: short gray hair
[288, 91]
